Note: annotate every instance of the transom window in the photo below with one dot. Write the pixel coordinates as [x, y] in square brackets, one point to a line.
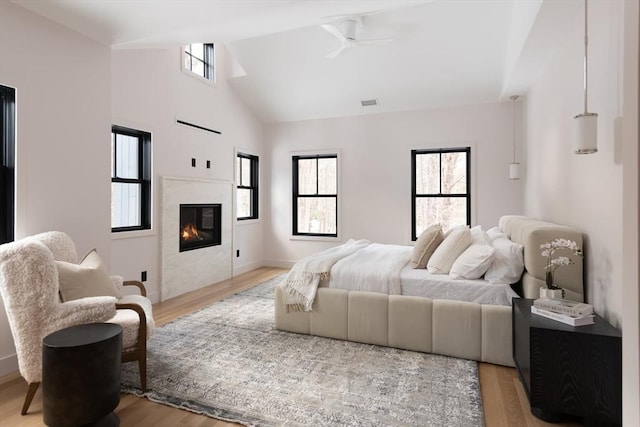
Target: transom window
[246, 186]
[315, 195]
[7, 162]
[199, 58]
[130, 179]
[440, 188]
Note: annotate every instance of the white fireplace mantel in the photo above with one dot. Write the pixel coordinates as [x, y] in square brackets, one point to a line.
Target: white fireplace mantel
[190, 270]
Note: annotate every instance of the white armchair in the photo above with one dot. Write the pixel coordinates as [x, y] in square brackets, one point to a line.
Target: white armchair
[132, 310]
[29, 289]
[31, 271]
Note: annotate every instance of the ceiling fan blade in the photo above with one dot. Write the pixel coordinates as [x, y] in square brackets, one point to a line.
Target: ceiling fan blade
[335, 31]
[372, 42]
[338, 51]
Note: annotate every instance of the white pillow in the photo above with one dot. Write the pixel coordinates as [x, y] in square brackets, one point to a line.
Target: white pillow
[87, 279]
[495, 233]
[449, 250]
[425, 245]
[508, 262]
[473, 262]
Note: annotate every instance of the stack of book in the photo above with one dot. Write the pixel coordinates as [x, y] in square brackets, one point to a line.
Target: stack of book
[569, 312]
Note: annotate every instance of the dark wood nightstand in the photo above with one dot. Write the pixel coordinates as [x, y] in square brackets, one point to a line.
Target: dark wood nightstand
[568, 370]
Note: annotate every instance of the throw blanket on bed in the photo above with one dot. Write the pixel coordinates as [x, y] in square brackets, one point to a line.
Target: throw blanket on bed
[375, 268]
[301, 284]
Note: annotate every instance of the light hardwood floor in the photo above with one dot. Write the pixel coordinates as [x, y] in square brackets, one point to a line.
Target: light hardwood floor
[504, 401]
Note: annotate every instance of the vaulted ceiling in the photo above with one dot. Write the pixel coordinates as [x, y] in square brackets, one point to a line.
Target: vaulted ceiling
[442, 52]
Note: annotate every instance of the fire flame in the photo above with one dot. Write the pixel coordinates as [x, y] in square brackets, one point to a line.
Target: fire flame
[189, 232]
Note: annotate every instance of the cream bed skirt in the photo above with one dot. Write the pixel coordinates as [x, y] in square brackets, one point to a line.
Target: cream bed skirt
[452, 328]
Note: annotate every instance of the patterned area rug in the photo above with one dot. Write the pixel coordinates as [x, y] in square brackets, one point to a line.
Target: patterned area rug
[229, 362]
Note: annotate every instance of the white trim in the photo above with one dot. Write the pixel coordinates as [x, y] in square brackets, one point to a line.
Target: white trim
[118, 235]
[245, 268]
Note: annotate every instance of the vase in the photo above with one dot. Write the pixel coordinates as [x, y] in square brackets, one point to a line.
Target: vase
[557, 293]
[549, 280]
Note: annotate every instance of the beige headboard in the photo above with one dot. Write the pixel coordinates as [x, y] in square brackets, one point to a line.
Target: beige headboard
[531, 233]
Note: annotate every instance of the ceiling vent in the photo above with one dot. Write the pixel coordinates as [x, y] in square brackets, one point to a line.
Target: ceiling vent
[369, 102]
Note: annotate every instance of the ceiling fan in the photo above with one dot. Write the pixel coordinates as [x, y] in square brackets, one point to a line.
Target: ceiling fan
[347, 32]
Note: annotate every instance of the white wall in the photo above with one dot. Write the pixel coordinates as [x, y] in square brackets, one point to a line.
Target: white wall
[375, 170]
[597, 193]
[149, 92]
[63, 124]
[583, 191]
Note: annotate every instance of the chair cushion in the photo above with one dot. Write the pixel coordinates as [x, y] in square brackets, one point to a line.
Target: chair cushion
[129, 319]
[87, 279]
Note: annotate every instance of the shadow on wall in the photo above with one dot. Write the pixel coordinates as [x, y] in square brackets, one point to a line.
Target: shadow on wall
[601, 283]
[618, 147]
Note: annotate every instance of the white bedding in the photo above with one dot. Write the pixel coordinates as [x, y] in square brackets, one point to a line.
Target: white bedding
[386, 269]
[421, 283]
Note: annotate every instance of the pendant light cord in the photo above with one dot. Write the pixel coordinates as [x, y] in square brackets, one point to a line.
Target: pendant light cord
[514, 98]
[586, 44]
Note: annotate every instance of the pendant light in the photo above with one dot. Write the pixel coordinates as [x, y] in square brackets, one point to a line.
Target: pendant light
[514, 167]
[586, 124]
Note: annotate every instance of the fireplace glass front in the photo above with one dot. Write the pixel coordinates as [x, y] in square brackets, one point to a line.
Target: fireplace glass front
[200, 226]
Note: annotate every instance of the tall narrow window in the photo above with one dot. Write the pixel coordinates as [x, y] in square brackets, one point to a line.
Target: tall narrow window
[199, 58]
[440, 188]
[7, 162]
[315, 195]
[246, 186]
[130, 179]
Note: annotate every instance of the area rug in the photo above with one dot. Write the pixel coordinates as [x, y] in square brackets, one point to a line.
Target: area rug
[229, 362]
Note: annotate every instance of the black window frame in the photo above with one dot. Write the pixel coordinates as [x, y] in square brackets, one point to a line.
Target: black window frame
[144, 175]
[208, 61]
[7, 163]
[252, 185]
[296, 194]
[415, 196]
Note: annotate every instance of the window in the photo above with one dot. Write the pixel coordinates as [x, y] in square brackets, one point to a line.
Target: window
[130, 179]
[7, 162]
[247, 186]
[199, 59]
[440, 188]
[315, 195]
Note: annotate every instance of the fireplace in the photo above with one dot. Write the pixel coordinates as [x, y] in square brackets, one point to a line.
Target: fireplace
[200, 226]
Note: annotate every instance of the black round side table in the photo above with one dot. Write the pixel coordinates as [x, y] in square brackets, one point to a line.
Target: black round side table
[81, 375]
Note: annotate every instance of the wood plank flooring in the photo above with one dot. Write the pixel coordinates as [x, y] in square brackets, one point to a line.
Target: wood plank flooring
[504, 400]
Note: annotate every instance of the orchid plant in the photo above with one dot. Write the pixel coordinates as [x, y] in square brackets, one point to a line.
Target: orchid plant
[549, 249]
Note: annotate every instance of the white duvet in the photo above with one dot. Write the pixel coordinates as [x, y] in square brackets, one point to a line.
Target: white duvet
[385, 269]
[375, 268]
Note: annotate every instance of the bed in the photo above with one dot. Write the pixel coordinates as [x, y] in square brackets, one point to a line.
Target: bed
[442, 323]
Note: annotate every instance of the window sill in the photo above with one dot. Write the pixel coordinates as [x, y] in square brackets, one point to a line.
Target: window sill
[247, 221]
[199, 78]
[132, 234]
[316, 238]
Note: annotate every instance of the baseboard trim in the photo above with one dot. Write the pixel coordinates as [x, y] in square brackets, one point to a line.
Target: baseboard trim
[9, 368]
[245, 268]
[279, 263]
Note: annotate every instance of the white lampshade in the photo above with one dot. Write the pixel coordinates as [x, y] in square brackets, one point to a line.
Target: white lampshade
[514, 171]
[586, 133]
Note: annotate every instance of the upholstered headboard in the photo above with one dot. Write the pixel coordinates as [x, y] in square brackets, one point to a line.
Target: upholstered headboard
[531, 233]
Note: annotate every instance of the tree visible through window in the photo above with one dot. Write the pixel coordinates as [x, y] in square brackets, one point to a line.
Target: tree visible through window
[246, 186]
[315, 195]
[440, 188]
[199, 59]
[130, 179]
[7, 162]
